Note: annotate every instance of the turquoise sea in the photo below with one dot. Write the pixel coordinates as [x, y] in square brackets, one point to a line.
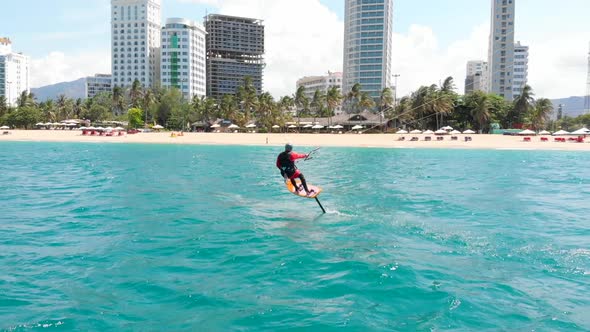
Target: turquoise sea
[98, 237]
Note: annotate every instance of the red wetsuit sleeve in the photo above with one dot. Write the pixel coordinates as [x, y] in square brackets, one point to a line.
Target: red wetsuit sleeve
[294, 156]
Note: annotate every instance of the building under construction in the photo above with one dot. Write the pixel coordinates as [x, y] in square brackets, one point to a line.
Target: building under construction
[235, 50]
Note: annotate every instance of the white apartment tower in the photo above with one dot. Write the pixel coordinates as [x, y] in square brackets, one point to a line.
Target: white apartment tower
[136, 26]
[184, 57]
[521, 69]
[477, 77]
[97, 84]
[368, 30]
[14, 72]
[501, 50]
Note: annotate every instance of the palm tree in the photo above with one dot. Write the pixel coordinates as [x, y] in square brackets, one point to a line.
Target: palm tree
[301, 100]
[26, 99]
[228, 107]
[266, 106]
[480, 109]
[118, 100]
[3, 106]
[333, 100]
[541, 113]
[317, 103]
[353, 97]
[366, 102]
[77, 107]
[62, 107]
[48, 109]
[135, 94]
[148, 100]
[386, 103]
[522, 105]
[247, 97]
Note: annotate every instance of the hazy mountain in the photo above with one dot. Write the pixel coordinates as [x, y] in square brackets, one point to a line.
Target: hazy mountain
[75, 89]
[572, 106]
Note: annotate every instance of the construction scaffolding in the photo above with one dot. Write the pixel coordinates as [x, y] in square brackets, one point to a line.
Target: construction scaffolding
[235, 50]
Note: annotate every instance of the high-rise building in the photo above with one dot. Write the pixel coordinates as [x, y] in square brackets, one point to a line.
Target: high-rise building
[477, 77]
[14, 72]
[184, 57]
[136, 26]
[235, 50]
[321, 83]
[97, 84]
[587, 98]
[367, 45]
[501, 50]
[521, 69]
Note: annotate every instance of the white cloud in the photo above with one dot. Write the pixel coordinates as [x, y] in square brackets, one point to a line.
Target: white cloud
[58, 67]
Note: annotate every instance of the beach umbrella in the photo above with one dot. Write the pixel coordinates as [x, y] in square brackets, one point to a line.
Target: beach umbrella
[544, 132]
[217, 125]
[357, 127]
[82, 128]
[441, 132]
[308, 126]
[233, 126]
[158, 127]
[469, 131]
[447, 128]
[119, 128]
[251, 126]
[416, 131]
[428, 132]
[402, 132]
[527, 132]
[561, 132]
[91, 128]
[5, 127]
[455, 132]
[276, 126]
[99, 128]
[109, 129]
[48, 124]
[337, 127]
[40, 124]
[292, 126]
[583, 131]
[317, 127]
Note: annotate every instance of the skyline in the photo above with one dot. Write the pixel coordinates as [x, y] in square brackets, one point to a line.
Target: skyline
[427, 46]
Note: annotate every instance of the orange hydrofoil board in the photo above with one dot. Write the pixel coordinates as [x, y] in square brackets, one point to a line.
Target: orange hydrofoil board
[301, 193]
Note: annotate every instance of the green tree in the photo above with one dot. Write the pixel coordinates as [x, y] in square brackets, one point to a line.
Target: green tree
[479, 103]
[541, 113]
[317, 103]
[63, 107]
[118, 102]
[77, 108]
[228, 108]
[267, 109]
[247, 97]
[301, 101]
[135, 94]
[24, 117]
[135, 118]
[333, 100]
[96, 112]
[48, 110]
[353, 98]
[522, 106]
[3, 106]
[366, 102]
[171, 103]
[26, 99]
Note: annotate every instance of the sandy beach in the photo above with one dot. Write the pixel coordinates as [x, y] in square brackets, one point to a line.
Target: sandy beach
[324, 140]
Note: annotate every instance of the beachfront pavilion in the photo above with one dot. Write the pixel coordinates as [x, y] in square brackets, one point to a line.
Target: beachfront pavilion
[366, 119]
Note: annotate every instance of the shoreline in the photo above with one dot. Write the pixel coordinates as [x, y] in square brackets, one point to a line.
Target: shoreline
[481, 142]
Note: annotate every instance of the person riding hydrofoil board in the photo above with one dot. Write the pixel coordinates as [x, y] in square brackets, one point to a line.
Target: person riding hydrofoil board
[286, 163]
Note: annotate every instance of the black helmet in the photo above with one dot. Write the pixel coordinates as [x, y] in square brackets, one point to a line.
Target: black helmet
[288, 147]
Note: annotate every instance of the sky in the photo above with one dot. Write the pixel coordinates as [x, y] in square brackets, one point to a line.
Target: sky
[433, 39]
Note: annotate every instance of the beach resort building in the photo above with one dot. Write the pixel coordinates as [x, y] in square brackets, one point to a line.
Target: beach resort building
[14, 72]
[501, 49]
[477, 77]
[321, 83]
[183, 57]
[135, 42]
[367, 45]
[98, 83]
[521, 68]
[235, 50]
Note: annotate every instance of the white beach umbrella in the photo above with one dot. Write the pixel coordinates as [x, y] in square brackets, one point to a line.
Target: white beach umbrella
[357, 127]
[91, 128]
[447, 128]
[561, 132]
[158, 127]
[527, 132]
[99, 128]
[337, 127]
[402, 132]
[583, 131]
[441, 132]
[292, 126]
[455, 132]
[5, 127]
[308, 126]
[469, 131]
[233, 126]
[217, 125]
[251, 126]
[83, 128]
[109, 129]
[317, 127]
[57, 124]
[416, 131]
[40, 124]
[544, 132]
[119, 128]
[428, 132]
[276, 126]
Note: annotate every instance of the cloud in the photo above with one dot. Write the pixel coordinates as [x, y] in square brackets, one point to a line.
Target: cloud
[58, 67]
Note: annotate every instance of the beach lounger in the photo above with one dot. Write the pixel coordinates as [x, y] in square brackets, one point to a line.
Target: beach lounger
[440, 138]
[428, 138]
[527, 139]
[401, 139]
[544, 139]
[468, 139]
[414, 139]
[454, 138]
